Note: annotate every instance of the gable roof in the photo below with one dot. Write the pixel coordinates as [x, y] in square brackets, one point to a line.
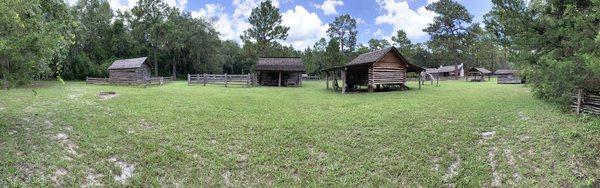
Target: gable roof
[449, 68]
[374, 56]
[506, 71]
[482, 70]
[128, 63]
[280, 64]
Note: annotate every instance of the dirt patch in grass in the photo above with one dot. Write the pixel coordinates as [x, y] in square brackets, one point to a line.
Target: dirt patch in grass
[126, 169]
[69, 145]
[452, 171]
[511, 161]
[105, 95]
[226, 175]
[57, 176]
[92, 178]
[145, 124]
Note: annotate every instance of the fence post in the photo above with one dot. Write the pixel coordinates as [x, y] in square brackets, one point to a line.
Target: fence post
[579, 101]
[188, 81]
[204, 79]
[225, 79]
[248, 80]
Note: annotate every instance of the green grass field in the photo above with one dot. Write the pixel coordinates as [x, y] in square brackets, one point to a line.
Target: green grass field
[458, 134]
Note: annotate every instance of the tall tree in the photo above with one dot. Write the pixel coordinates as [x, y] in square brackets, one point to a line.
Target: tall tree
[378, 44]
[343, 28]
[34, 39]
[449, 29]
[266, 27]
[333, 56]
[403, 44]
[507, 18]
[148, 24]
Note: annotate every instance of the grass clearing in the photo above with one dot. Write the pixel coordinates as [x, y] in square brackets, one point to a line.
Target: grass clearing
[459, 134]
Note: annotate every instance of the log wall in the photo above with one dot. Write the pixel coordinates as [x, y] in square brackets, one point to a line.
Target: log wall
[389, 70]
[271, 78]
[586, 102]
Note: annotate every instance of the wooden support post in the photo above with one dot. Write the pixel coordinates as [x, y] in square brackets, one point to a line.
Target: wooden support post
[204, 78]
[579, 100]
[326, 79]
[279, 81]
[226, 80]
[420, 79]
[344, 85]
[188, 80]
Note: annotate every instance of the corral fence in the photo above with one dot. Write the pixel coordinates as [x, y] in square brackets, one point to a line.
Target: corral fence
[311, 77]
[121, 81]
[586, 102]
[222, 79]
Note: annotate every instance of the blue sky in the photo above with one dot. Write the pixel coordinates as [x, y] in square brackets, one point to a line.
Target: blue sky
[309, 19]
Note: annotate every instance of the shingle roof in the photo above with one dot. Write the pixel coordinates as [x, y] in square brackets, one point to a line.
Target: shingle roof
[128, 63]
[506, 71]
[374, 56]
[482, 70]
[280, 64]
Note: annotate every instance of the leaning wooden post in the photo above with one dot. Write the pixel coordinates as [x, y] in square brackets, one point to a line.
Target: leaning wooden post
[344, 85]
[204, 79]
[579, 101]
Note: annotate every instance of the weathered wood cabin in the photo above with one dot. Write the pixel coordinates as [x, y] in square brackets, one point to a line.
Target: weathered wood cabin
[280, 71]
[451, 70]
[382, 68]
[135, 70]
[509, 76]
[478, 74]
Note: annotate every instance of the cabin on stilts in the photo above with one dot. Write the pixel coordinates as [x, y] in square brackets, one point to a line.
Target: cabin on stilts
[280, 71]
[478, 74]
[377, 71]
[509, 76]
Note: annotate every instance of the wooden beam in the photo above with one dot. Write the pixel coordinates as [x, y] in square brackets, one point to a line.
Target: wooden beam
[326, 79]
[579, 101]
[279, 82]
[420, 75]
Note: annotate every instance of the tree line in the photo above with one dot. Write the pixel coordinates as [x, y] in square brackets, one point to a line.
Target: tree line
[553, 42]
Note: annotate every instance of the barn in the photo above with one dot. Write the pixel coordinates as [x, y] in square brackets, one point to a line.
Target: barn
[451, 70]
[135, 70]
[509, 76]
[478, 74]
[280, 71]
[378, 69]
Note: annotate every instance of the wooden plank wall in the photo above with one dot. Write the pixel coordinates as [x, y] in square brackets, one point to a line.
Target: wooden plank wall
[509, 79]
[224, 79]
[269, 78]
[389, 70]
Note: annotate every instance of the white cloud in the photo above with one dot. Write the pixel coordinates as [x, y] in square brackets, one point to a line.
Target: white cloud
[328, 6]
[360, 21]
[228, 28]
[398, 14]
[378, 33]
[306, 28]
[177, 3]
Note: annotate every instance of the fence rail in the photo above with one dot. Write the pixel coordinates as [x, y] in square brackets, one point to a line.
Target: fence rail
[586, 102]
[224, 79]
[124, 81]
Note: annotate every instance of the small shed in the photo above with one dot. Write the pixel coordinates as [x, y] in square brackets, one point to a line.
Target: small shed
[509, 76]
[382, 68]
[129, 70]
[280, 71]
[478, 74]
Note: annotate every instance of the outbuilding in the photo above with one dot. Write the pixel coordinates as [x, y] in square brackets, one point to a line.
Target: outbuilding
[378, 69]
[280, 71]
[478, 74]
[135, 70]
[509, 76]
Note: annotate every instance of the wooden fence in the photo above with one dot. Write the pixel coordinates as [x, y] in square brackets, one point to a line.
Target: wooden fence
[586, 102]
[224, 79]
[121, 81]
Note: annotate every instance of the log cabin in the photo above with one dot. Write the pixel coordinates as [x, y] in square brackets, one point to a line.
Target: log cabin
[475, 74]
[382, 68]
[280, 71]
[131, 71]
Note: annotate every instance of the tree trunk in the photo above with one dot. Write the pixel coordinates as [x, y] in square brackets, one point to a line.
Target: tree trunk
[174, 63]
[5, 72]
[155, 51]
